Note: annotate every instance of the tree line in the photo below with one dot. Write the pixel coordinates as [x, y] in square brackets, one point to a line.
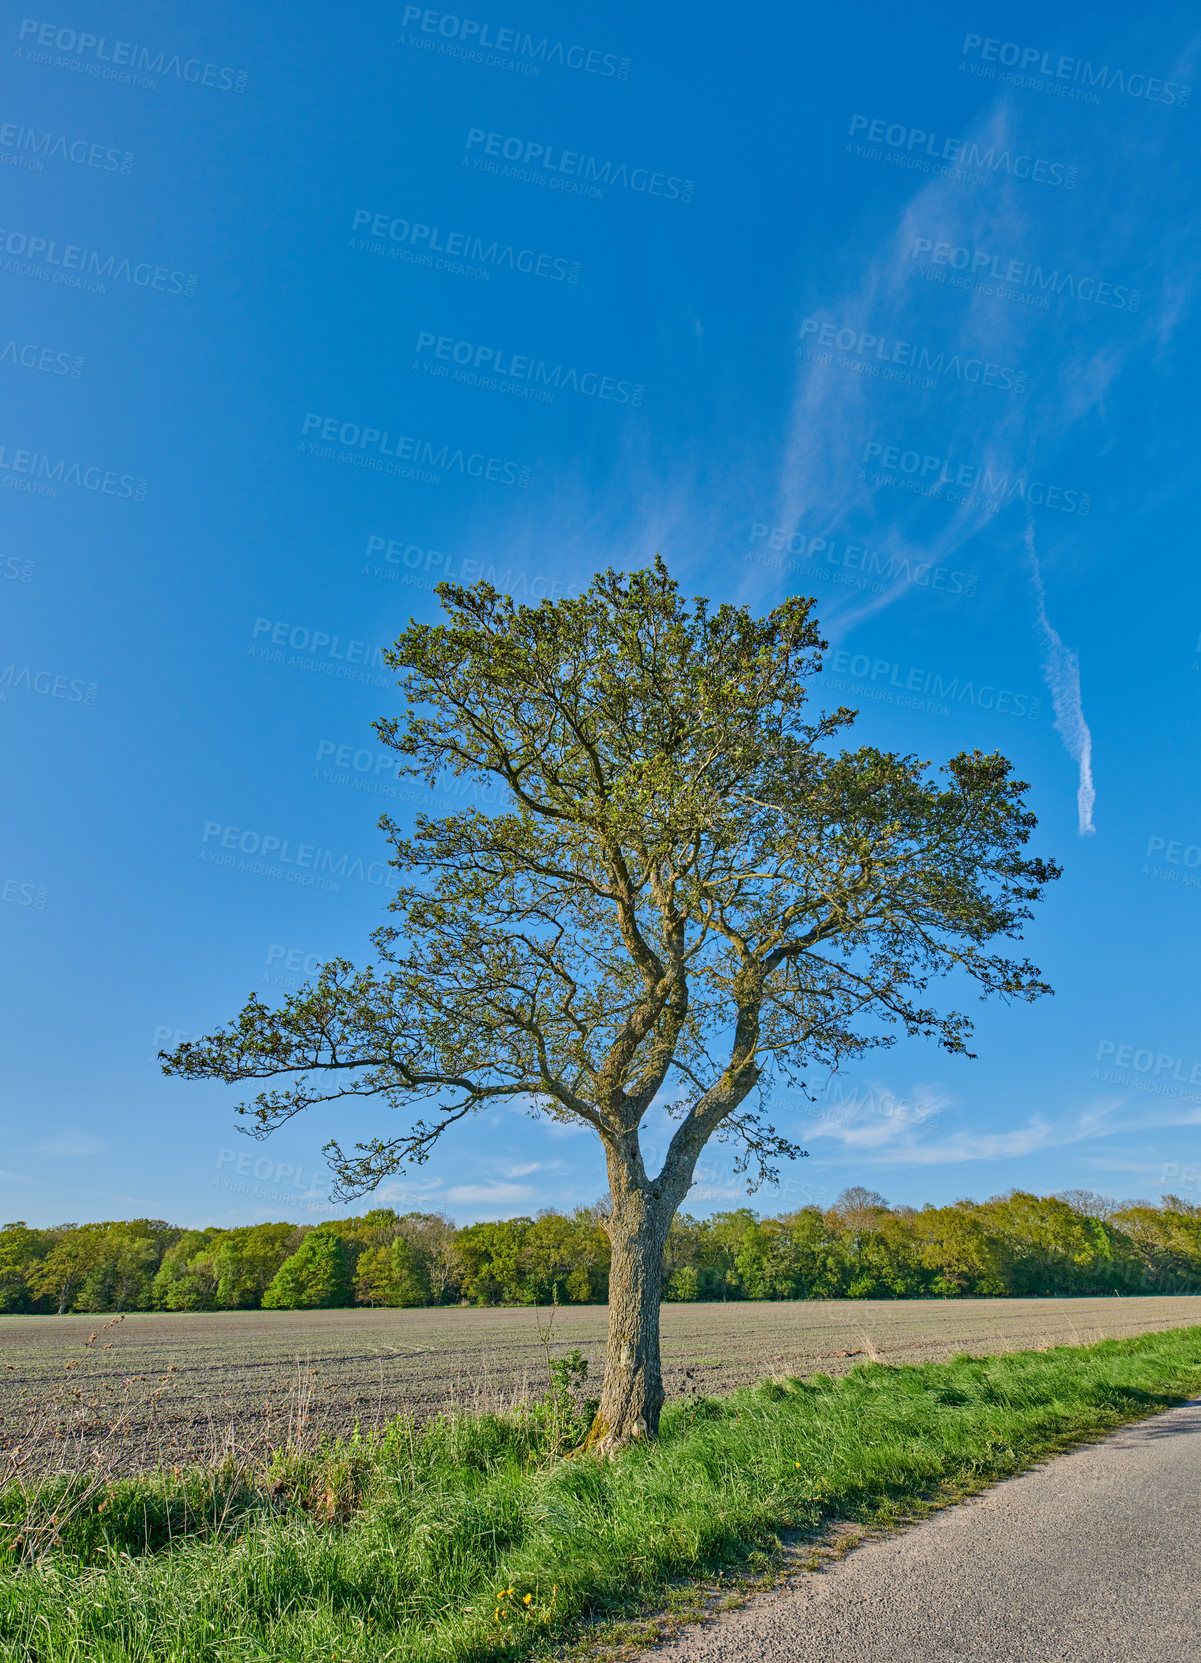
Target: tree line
[1015, 1245]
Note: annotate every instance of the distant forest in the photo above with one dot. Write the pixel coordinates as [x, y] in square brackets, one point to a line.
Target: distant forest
[1015, 1245]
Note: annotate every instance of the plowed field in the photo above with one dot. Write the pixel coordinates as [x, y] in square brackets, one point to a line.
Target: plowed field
[171, 1387]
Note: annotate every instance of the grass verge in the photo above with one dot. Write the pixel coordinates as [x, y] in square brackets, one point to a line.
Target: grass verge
[472, 1539]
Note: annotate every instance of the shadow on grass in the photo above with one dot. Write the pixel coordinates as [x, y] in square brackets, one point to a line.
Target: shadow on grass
[471, 1539]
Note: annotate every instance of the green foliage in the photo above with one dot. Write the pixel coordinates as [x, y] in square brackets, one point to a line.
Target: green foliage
[526, 1261]
[393, 1274]
[410, 1274]
[566, 1258]
[424, 1542]
[686, 891]
[958, 1253]
[1047, 1246]
[102, 1267]
[563, 1411]
[228, 1270]
[789, 1258]
[490, 1254]
[317, 1275]
[22, 1252]
[73, 1515]
[404, 1260]
[1020, 1245]
[683, 1284]
[243, 1263]
[1165, 1239]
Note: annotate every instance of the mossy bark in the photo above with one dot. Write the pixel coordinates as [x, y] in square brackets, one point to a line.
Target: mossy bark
[632, 1389]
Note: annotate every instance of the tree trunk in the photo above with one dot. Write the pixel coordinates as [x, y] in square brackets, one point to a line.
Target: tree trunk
[632, 1390]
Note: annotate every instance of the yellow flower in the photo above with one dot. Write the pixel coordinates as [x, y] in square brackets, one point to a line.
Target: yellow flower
[528, 1598]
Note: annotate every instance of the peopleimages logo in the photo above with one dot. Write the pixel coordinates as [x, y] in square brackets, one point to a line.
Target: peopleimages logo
[18, 894]
[922, 145]
[1034, 61]
[100, 56]
[349, 756]
[319, 641]
[83, 268]
[1157, 1063]
[367, 446]
[883, 355]
[986, 267]
[41, 146]
[264, 1168]
[305, 863]
[476, 364]
[29, 470]
[899, 685]
[575, 166]
[428, 567]
[1174, 850]
[48, 683]
[46, 359]
[294, 959]
[456, 251]
[885, 569]
[966, 482]
[475, 38]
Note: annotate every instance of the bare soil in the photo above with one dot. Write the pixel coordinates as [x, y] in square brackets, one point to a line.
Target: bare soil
[167, 1388]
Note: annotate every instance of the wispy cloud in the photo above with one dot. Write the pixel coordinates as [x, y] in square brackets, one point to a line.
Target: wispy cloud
[1157, 1170]
[822, 484]
[1061, 670]
[1102, 1119]
[70, 1145]
[875, 1119]
[407, 1194]
[492, 1194]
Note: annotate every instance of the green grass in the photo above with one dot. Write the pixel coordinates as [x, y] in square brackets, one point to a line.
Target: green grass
[472, 1539]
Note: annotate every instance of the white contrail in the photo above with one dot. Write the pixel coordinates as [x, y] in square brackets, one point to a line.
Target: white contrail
[1061, 671]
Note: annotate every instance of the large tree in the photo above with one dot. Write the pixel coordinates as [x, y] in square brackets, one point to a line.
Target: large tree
[686, 895]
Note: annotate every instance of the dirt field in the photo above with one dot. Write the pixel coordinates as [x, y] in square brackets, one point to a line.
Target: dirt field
[172, 1387]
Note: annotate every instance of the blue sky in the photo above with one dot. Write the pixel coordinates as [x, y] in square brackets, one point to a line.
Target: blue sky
[303, 312]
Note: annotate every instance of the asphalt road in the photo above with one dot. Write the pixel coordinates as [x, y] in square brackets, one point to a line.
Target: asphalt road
[1093, 1558]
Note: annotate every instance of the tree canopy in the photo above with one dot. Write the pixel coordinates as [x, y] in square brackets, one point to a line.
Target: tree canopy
[686, 892]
